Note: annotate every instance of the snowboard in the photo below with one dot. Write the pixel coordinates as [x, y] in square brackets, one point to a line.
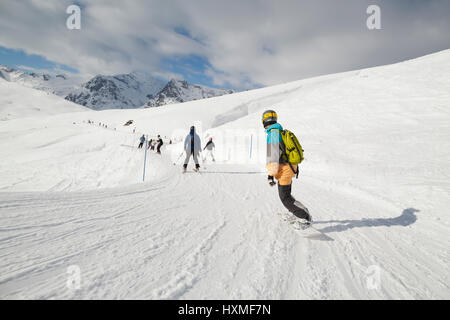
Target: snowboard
[306, 231]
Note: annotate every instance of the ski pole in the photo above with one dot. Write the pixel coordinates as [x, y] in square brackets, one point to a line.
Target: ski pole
[203, 160]
[178, 158]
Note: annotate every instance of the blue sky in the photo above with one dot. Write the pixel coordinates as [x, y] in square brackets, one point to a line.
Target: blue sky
[191, 67]
[18, 59]
[231, 44]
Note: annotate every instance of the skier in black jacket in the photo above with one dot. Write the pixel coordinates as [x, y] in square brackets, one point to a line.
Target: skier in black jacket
[141, 143]
[210, 147]
[160, 143]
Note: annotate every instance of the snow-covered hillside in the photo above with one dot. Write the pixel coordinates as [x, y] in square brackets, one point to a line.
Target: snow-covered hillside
[17, 101]
[125, 91]
[178, 91]
[376, 180]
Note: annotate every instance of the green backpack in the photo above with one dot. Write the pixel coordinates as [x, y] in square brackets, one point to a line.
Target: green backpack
[291, 148]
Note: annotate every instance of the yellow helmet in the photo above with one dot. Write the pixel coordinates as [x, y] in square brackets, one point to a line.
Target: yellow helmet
[269, 117]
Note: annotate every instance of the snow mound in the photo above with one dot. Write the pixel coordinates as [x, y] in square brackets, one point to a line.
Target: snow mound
[17, 101]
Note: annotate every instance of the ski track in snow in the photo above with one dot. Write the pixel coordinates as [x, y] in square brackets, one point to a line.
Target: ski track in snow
[137, 243]
[239, 251]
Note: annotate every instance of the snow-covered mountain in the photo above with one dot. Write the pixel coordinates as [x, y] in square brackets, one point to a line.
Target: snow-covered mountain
[178, 91]
[60, 84]
[125, 91]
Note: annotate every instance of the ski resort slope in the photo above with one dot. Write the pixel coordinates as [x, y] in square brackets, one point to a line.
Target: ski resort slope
[376, 180]
[17, 101]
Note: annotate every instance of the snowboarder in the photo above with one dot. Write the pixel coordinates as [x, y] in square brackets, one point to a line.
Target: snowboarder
[142, 140]
[160, 143]
[210, 147]
[192, 146]
[280, 169]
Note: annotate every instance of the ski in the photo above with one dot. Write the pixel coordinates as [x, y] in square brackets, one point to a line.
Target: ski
[193, 171]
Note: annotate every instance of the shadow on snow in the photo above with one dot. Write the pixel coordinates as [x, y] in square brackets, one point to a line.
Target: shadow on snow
[407, 218]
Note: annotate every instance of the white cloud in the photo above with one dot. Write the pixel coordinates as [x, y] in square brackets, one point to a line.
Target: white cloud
[246, 42]
[167, 75]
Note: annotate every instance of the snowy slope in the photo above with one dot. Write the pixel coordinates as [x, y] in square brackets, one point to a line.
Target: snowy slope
[375, 179]
[178, 91]
[17, 101]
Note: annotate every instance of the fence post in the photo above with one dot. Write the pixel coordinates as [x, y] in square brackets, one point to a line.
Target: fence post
[251, 145]
[145, 156]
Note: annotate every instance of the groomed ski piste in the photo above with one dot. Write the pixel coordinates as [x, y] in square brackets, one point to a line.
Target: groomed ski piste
[376, 179]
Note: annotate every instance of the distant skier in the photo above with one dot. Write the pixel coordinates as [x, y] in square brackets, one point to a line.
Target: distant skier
[142, 140]
[149, 144]
[192, 146]
[279, 168]
[159, 144]
[209, 147]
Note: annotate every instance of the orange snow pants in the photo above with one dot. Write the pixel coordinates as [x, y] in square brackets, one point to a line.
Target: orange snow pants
[284, 174]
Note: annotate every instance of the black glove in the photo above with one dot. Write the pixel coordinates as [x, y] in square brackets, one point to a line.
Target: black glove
[271, 181]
